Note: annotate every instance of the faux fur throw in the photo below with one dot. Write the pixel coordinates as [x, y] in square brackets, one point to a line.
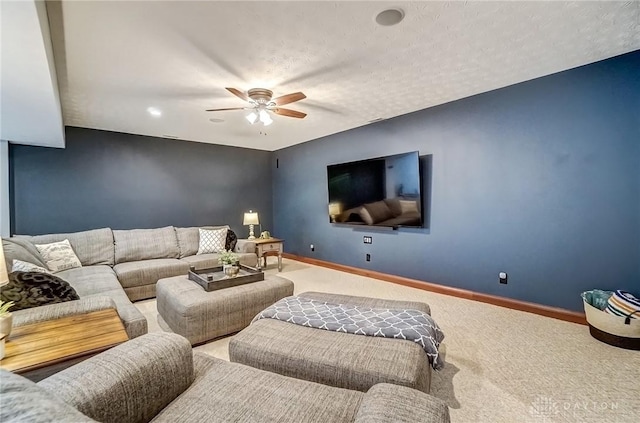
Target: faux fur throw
[33, 289]
[412, 325]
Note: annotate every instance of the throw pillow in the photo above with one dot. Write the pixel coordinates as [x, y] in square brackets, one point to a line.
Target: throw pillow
[33, 289]
[21, 249]
[379, 211]
[59, 256]
[24, 266]
[408, 206]
[623, 304]
[212, 240]
[232, 240]
[365, 216]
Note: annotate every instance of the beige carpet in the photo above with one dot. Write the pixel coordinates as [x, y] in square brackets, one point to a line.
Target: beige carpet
[501, 365]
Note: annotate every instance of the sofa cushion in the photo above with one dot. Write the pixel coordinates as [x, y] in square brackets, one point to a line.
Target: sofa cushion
[19, 395]
[25, 266]
[394, 206]
[21, 249]
[138, 273]
[408, 206]
[59, 255]
[145, 244]
[350, 215]
[387, 403]
[379, 211]
[189, 239]
[221, 389]
[365, 216]
[91, 247]
[31, 289]
[97, 281]
[129, 383]
[90, 280]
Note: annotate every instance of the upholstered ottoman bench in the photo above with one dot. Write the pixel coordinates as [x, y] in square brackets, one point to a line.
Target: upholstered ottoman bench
[200, 316]
[337, 359]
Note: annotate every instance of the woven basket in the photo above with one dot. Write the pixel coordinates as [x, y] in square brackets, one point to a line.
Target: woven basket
[612, 329]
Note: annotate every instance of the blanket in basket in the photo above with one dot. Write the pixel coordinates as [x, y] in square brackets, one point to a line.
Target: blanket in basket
[412, 325]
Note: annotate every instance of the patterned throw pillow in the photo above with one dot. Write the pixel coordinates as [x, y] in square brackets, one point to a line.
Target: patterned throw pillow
[59, 256]
[25, 266]
[212, 240]
[32, 289]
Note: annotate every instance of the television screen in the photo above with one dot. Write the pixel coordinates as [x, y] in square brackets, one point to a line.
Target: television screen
[384, 191]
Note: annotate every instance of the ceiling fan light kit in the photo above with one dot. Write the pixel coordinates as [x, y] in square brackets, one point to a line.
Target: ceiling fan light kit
[262, 102]
[252, 117]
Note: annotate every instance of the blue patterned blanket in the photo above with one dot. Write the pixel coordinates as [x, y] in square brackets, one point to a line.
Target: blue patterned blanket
[412, 325]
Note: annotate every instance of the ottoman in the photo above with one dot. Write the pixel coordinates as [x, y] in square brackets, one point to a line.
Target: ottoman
[337, 359]
[200, 316]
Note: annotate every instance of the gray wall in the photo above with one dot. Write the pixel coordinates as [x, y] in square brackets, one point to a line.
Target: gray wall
[540, 180]
[126, 181]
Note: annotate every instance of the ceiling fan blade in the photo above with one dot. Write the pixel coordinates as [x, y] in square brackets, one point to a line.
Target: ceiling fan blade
[222, 110]
[289, 113]
[238, 93]
[289, 98]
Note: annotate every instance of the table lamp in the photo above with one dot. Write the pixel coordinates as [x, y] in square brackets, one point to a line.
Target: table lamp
[334, 210]
[251, 219]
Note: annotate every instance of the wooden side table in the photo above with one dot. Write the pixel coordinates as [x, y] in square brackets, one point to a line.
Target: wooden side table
[268, 247]
[38, 350]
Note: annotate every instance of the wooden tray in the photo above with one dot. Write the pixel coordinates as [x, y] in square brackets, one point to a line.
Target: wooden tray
[214, 278]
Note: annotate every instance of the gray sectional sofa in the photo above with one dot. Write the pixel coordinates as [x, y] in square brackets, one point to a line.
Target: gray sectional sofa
[123, 265]
[157, 378]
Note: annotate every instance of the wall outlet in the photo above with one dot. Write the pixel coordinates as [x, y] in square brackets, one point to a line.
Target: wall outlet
[503, 277]
[367, 239]
[368, 257]
[313, 248]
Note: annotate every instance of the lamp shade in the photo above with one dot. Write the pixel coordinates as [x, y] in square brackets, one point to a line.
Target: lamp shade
[251, 218]
[4, 277]
[335, 209]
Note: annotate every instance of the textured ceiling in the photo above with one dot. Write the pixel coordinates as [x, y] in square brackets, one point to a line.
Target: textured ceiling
[115, 59]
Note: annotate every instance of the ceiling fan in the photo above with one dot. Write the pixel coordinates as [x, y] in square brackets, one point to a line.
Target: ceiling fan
[261, 103]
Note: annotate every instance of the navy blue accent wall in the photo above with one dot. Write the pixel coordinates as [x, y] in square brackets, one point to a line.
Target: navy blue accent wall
[540, 180]
[126, 181]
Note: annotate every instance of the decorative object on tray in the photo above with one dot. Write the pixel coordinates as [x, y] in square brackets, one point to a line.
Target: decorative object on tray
[265, 235]
[230, 263]
[216, 278]
[232, 270]
[251, 219]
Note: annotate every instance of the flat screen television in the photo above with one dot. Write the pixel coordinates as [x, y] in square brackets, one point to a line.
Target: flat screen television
[383, 192]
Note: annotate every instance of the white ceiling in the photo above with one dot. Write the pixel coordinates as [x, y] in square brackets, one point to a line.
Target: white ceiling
[115, 59]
